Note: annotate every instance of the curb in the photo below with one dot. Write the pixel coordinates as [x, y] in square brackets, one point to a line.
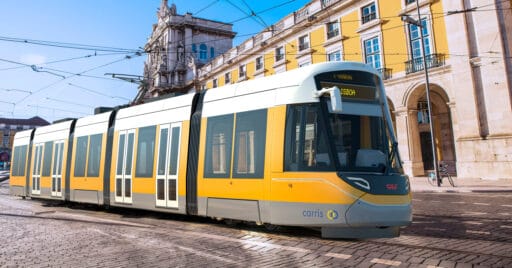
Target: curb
[462, 191]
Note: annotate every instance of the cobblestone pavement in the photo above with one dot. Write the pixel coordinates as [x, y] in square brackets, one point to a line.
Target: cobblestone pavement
[449, 230]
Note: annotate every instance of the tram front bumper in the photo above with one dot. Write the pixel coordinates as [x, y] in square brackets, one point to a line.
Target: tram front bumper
[364, 214]
[366, 220]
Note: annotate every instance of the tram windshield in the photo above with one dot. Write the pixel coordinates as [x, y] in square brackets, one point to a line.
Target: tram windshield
[321, 141]
[355, 140]
[359, 142]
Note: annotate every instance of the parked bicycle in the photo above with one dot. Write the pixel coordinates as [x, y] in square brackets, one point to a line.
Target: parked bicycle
[443, 173]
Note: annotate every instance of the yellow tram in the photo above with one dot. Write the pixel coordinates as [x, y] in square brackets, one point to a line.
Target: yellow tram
[311, 147]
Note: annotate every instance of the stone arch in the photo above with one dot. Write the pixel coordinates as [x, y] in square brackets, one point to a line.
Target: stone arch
[415, 102]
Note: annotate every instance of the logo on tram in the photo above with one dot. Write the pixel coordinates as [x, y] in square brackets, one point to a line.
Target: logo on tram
[332, 214]
[392, 187]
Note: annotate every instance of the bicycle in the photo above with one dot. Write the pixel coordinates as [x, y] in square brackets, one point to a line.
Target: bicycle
[443, 172]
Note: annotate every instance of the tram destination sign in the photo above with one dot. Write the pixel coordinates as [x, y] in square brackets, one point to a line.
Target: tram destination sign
[358, 92]
[356, 85]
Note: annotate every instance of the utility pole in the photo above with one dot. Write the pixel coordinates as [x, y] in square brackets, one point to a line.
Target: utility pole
[418, 23]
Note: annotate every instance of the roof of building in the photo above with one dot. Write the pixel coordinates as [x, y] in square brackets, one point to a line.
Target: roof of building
[34, 121]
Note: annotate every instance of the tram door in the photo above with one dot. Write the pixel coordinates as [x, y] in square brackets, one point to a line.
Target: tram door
[167, 170]
[57, 169]
[124, 166]
[36, 172]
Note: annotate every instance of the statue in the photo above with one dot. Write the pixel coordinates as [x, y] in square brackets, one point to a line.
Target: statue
[181, 52]
[173, 10]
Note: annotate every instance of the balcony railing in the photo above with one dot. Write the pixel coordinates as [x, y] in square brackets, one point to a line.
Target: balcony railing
[386, 73]
[416, 65]
[301, 15]
[326, 3]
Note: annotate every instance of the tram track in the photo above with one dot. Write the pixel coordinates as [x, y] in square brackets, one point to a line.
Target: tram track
[212, 239]
[439, 249]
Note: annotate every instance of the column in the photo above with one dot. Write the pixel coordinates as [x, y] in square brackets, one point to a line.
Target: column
[409, 141]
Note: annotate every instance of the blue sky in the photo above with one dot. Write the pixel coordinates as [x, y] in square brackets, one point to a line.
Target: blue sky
[55, 82]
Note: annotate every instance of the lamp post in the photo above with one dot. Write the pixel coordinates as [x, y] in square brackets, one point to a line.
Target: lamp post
[418, 23]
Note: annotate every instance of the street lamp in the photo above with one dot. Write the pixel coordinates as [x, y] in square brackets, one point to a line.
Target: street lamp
[407, 19]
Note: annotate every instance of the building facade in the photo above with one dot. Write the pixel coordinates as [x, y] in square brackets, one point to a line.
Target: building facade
[8, 128]
[180, 44]
[468, 52]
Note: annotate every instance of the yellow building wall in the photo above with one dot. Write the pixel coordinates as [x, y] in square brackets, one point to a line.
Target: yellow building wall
[269, 60]
[317, 40]
[394, 41]
[250, 68]
[393, 37]
[291, 49]
[267, 57]
[209, 84]
[439, 29]
[221, 80]
[351, 45]
[235, 75]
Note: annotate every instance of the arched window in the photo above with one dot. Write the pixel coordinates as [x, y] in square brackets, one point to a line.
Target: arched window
[203, 52]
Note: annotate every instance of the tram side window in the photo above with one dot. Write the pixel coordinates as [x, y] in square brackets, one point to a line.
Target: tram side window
[249, 152]
[145, 152]
[47, 158]
[306, 145]
[20, 160]
[93, 162]
[81, 156]
[15, 161]
[219, 135]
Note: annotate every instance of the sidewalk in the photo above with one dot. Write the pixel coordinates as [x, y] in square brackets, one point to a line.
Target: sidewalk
[463, 185]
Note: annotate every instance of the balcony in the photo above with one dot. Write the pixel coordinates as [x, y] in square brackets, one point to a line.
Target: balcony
[386, 73]
[301, 15]
[326, 3]
[416, 65]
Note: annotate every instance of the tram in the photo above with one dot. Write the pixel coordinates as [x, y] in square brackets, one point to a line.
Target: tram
[311, 147]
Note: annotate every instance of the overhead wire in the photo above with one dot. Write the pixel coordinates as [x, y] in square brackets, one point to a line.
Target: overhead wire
[98, 93]
[122, 50]
[56, 109]
[68, 45]
[432, 18]
[75, 74]
[69, 102]
[309, 25]
[206, 7]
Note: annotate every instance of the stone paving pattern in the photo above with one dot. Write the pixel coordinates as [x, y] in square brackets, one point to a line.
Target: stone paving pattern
[463, 234]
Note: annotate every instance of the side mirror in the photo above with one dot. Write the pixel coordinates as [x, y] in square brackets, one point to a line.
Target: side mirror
[334, 93]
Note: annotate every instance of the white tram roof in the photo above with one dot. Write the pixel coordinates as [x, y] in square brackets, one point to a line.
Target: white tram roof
[175, 109]
[59, 131]
[93, 124]
[295, 86]
[22, 137]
